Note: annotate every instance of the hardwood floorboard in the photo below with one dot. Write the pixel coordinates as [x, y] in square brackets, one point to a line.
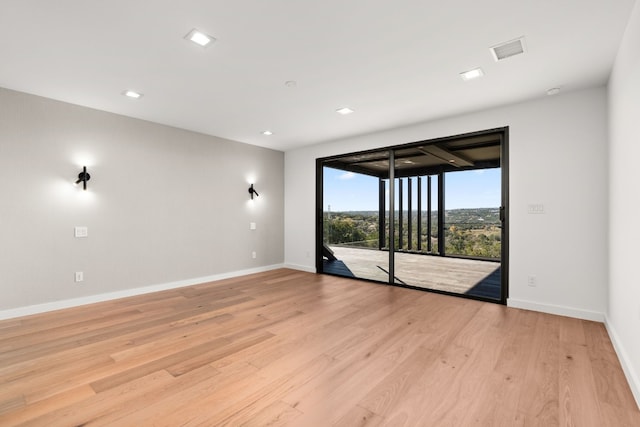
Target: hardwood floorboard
[175, 392]
[539, 398]
[330, 396]
[42, 385]
[44, 408]
[100, 404]
[578, 400]
[610, 382]
[357, 417]
[276, 414]
[288, 348]
[184, 396]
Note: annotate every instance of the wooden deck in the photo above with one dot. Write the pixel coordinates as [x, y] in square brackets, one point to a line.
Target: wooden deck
[455, 275]
[289, 348]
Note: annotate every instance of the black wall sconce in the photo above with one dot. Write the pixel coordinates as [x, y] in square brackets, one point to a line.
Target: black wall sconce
[252, 191]
[83, 177]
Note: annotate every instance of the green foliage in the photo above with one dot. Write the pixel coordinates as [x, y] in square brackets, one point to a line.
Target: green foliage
[468, 232]
[477, 242]
[346, 230]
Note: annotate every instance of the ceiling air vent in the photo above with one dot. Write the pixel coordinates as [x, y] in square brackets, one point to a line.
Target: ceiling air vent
[507, 49]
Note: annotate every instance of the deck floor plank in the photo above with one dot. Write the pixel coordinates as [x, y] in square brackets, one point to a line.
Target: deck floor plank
[454, 275]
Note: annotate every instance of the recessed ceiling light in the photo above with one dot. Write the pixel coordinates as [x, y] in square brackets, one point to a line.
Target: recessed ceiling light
[267, 132]
[291, 83]
[132, 94]
[472, 74]
[199, 38]
[344, 111]
[553, 91]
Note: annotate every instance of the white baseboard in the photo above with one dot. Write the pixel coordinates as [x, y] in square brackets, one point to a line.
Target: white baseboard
[301, 267]
[58, 305]
[632, 376]
[556, 309]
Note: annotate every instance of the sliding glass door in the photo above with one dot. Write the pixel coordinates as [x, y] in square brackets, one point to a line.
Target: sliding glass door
[354, 225]
[428, 215]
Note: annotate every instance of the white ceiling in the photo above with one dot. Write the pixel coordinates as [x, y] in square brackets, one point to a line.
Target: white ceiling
[393, 62]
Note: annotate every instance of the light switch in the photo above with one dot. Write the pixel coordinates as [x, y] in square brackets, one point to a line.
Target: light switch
[252, 226]
[81, 232]
[537, 208]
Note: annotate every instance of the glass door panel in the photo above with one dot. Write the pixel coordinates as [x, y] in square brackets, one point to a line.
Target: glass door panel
[472, 218]
[473, 229]
[354, 225]
[460, 244]
[417, 220]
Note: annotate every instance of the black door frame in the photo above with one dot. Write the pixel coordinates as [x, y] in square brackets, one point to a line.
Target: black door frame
[503, 132]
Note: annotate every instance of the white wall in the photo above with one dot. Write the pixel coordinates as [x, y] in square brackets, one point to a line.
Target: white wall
[558, 157]
[624, 233]
[164, 205]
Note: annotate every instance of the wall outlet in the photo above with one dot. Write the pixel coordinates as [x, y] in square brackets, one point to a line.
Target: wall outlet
[79, 276]
[253, 254]
[252, 226]
[532, 281]
[81, 231]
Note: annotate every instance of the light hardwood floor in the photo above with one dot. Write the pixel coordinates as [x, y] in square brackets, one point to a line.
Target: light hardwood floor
[293, 348]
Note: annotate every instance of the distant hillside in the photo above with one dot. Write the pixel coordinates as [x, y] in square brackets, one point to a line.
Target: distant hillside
[472, 232]
[470, 215]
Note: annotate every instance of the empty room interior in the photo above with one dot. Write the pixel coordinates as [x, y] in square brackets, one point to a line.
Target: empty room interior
[319, 213]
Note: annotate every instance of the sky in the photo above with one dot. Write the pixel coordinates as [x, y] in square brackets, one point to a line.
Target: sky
[347, 191]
